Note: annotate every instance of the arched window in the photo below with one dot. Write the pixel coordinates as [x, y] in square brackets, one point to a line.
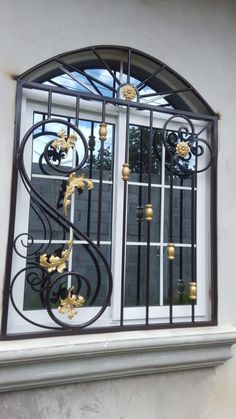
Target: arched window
[113, 213]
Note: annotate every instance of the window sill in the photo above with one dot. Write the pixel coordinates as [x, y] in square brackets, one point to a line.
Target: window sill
[63, 360]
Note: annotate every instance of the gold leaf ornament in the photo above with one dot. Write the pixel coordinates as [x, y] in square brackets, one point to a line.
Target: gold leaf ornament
[63, 142]
[70, 304]
[75, 182]
[56, 263]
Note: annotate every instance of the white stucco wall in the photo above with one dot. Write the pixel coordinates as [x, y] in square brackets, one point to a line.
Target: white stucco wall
[197, 39]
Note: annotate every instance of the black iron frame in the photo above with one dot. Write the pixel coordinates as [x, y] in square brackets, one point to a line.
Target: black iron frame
[211, 119]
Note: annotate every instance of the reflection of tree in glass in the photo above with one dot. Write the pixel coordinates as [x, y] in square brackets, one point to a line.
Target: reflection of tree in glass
[178, 171]
[138, 155]
[138, 152]
[107, 159]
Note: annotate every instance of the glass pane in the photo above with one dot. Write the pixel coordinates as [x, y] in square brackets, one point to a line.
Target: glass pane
[181, 231]
[136, 224]
[135, 281]
[138, 156]
[92, 165]
[86, 211]
[51, 191]
[93, 285]
[181, 276]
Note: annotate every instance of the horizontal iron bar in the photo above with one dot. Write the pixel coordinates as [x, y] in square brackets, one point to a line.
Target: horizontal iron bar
[136, 105]
[110, 329]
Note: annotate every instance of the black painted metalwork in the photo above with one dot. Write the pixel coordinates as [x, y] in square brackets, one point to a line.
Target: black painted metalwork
[170, 287]
[187, 156]
[123, 267]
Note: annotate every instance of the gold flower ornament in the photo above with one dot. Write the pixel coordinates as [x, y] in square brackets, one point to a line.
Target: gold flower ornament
[129, 92]
[182, 149]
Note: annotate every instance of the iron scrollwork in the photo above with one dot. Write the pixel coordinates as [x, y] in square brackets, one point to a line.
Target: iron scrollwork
[189, 152]
[46, 271]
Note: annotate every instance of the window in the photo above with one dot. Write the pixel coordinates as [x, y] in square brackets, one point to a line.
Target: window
[114, 198]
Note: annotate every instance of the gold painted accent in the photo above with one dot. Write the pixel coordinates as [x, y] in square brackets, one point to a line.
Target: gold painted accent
[193, 291]
[129, 92]
[63, 142]
[182, 149]
[70, 303]
[55, 262]
[72, 183]
[148, 212]
[103, 131]
[170, 251]
[125, 171]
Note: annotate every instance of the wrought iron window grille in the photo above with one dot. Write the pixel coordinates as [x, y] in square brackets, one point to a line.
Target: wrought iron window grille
[116, 181]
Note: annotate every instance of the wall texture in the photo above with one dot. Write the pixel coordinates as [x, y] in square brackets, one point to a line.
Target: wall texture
[164, 396]
[197, 39]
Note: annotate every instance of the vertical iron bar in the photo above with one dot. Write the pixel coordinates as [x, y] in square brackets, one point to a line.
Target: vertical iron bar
[114, 86]
[181, 237]
[91, 149]
[12, 215]
[193, 230]
[129, 63]
[77, 105]
[213, 216]
[149, 222]
[140, 222]
[49, 104]
[170, 241]
[123, 267]
[100, 181]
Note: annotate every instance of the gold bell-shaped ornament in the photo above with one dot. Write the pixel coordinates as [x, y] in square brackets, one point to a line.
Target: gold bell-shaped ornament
[192, 291]
[170, 251]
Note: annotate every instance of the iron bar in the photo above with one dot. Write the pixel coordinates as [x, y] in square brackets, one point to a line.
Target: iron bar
[117, 101]
[90, 78]
[143, 84]
[49, 104]
[91, 150]
[106, 66]
[147, 278]
[213, 223]
[128, 66]
[77, 110]
[100, 189]
[170, 290]
[76, 80]
[123, 267]
[181, 237]
[12, 210]
[167, 93]
[140, 222]
[108, 329]
[193, 240]
[56, 84]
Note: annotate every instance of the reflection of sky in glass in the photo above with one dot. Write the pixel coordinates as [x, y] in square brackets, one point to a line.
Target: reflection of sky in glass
[80, 83]
[41, 141]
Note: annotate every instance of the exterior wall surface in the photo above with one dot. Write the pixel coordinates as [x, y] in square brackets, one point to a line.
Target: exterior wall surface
[197, 39]
[165, 396]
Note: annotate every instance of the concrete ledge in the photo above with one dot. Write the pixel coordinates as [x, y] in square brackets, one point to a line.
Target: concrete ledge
[64, 360]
